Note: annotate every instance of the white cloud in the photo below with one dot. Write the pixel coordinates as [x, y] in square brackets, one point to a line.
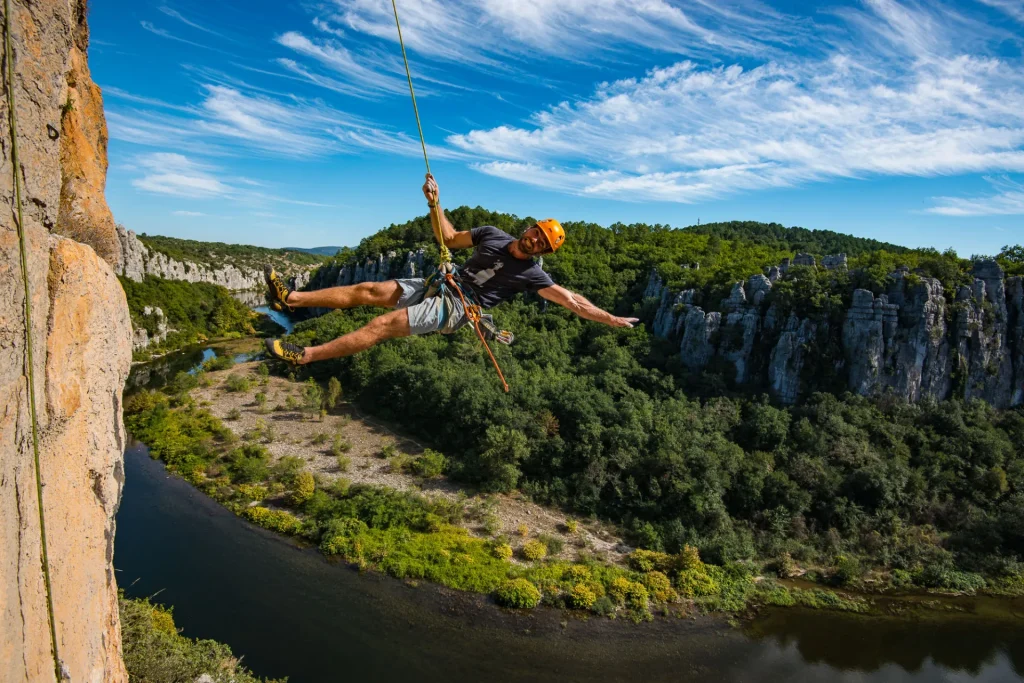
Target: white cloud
[686, 132]
[177, 15]
[177, 175]
[486, 32]
[189, 214]
[164, 33]
[1014, 8]
[337, 58]
[1009, 200]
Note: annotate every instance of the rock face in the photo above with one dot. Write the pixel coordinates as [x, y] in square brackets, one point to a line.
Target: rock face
[84, 215]
[141, 338]
[908, 341]
[139, 261]
[384, 267]
[81, 342]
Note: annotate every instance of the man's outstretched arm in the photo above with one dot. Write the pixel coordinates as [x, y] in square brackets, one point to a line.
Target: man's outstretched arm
[442, 226]
[578, 304]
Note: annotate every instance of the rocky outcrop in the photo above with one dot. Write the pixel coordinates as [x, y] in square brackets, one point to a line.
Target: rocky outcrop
[81, 343]
[155, 319]
[909, 341]
[385, 267]
[138, 261]
[83, 214]
[788, 358]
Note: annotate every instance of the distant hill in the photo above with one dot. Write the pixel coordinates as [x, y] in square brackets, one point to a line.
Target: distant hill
[240, 255]
[321, 251]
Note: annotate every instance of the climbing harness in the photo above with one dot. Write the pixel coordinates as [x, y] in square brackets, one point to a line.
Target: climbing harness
[445, 280]
[12, 120]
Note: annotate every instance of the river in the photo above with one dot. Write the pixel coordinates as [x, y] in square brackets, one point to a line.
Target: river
[289, 612]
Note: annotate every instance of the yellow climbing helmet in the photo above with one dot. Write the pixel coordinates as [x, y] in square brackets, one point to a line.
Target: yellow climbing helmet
[553, 231]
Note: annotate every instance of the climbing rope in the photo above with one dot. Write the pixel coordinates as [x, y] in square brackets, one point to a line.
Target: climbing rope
[15, 166]
[472, 311]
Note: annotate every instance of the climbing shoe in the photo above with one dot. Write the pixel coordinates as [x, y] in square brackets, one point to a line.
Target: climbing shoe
[289, 353]
[279, 289]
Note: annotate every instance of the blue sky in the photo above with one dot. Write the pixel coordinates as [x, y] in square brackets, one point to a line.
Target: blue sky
[289, 123]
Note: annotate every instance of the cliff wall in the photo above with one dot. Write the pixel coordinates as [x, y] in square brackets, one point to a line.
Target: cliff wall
[81, 339]
[909, 341]
[138, 261]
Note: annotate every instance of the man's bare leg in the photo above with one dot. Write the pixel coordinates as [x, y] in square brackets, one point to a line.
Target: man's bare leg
[388, 326]
[384, 294]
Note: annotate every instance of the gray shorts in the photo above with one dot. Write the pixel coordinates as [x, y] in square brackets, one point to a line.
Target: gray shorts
[427, 315]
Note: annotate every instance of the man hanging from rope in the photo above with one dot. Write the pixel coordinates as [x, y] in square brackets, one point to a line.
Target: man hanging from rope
[501, 266]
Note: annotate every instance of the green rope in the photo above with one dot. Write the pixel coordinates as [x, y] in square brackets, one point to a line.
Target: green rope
[408, 75]
[446, 255]
[15, 165]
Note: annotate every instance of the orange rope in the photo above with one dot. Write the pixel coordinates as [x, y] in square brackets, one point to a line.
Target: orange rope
[473, 311]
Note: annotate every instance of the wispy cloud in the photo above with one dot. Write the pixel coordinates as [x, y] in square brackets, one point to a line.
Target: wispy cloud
[689, 132]
[1008, 200]
[333, 55]
[177, 175]
[188, 22]
[170, 173]
[164, 33]
[1014, 8]
[486, 32]
[188, 214]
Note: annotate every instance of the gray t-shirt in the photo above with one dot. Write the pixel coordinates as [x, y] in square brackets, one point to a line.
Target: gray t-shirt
[494, 274]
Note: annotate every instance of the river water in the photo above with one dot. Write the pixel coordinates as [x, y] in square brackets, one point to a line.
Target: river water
[290, 612]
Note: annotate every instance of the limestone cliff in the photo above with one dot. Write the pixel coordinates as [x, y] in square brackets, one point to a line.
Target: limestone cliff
[138, 261]
[909, 341]
[81, 338]
[384, 267]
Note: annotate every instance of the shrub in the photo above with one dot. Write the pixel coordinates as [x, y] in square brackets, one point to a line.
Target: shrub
[517, 593]
[575, 573]
[659, 586]
[290, 403]
[572, 526]
[387, 451]
[636, 594]
[287, 469]
[648, 560]
[218, 363]
[344, 462]
[340, 445]
[248, 464]
[261, 401]
[847, 571]
[604, 606]
[689, 558]
[339, 488]
[237, 383]
[523, 530]
[553, 543]
[694, 583]
[582, 596]
[252, 492]
[233, 414]
[312, 397]
[618, 589]
[320, 439]
[502, 551]
[430, 464]
[305, 486]
[333, 392]
[280, 521]
[534, 550]
[263, 370]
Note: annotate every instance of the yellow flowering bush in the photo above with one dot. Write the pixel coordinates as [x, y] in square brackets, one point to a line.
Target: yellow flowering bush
[534, 550]
[305, 486]
[502, 551]
[582, 596]
[659, 586]
[518, 593]
[576, 573]
[280, 521]
[695, 583]
[252, 492]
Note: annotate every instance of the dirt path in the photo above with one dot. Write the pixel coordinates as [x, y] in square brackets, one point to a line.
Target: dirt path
[311, 439]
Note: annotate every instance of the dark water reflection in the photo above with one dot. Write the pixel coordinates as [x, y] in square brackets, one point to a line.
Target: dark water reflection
[290, 612]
